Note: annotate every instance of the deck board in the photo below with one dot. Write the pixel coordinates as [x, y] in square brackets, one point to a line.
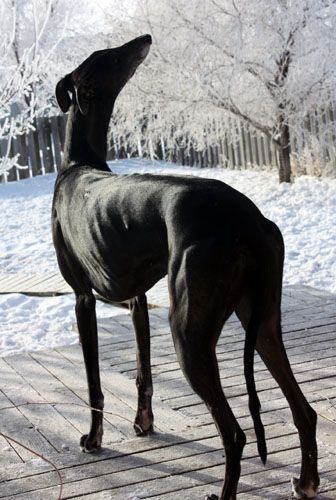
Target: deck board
[184, 457]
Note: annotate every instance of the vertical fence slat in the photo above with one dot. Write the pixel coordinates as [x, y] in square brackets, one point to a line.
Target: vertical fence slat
[61, 122]
[56, 142]
[248, 155]
[243, 146]
[44, 132]
[15, 151]
[268, 162]
[24, 157]
[50, 150]
[34, 152]
[11, 174]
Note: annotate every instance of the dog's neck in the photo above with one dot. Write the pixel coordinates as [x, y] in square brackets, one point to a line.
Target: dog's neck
[86, 139]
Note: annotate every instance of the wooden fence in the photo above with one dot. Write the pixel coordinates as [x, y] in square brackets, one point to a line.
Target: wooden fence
[42, 148]
[40, 151]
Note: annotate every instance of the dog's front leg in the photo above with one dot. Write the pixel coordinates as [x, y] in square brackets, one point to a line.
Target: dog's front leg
[87, 327]
[143, 423]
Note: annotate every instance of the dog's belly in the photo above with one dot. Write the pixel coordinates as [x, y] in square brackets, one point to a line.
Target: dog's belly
[121, 288]
[123, 277]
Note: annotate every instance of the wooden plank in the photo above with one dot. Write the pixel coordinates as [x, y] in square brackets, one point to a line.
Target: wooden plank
[20, 283]
[303, 372]
[267, 155]
[45, 284]
[71, 381]
[34, 153]
[318, 356]
[14, 151]
[57, 149]
[43, 144]
[227, 353]
[11, 173]
[267, 390]
[123, 395]
[178, 477]
[243, 147]
[29, 382]
[110, 476]
[231, 340]
[27, 282]
[262, 484]
[61, 122]
[24, 157]
[232, 379]
[135, 446]
[252, 148]
[16, 422]
[275, 154]
[8, 455]
[276, 404]
[169, 369]
[226, 155]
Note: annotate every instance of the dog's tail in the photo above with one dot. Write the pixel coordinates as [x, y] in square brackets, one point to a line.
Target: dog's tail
[254, 402]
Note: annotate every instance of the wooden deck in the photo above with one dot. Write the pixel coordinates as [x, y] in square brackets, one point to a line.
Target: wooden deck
[184, 459]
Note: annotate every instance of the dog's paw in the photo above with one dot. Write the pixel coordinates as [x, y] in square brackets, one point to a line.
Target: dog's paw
[144, 422]
[211, 497]
[141, 432]
[88, 445]
[299, 492]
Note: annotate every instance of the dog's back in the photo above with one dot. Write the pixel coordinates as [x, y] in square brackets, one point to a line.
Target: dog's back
[122, 226]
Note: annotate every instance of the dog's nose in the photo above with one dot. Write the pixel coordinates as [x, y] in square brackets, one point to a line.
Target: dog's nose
[147, 39]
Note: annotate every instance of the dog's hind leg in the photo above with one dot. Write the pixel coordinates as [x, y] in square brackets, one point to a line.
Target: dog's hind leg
[87, 327]
[143, 423]
[200, 303]
[271, 350]
[199, 364]
[270, 347]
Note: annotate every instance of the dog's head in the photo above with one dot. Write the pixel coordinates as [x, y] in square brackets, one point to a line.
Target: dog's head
[100, 78]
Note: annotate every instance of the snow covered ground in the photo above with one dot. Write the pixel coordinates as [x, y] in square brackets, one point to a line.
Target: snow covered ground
[304, 211]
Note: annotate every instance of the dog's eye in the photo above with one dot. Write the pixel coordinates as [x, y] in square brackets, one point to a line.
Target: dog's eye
[88, 92]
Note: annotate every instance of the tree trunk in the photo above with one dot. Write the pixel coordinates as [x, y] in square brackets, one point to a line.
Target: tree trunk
[284, 152]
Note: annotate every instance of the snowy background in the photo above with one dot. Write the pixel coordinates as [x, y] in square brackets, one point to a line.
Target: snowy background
[304, 211]
[218, 71]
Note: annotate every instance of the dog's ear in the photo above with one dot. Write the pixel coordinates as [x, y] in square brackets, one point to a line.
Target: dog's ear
[62, 94]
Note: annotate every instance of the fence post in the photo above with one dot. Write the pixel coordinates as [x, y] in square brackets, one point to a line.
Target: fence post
[11, 175]
[44, 131]
[56, 143]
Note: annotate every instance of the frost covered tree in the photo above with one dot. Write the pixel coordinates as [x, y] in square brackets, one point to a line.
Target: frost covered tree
[15, 82]
[42, 40]
[267, 63]
[25, 61]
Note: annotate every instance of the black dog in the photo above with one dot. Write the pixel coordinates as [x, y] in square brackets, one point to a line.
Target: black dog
[119, 235]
